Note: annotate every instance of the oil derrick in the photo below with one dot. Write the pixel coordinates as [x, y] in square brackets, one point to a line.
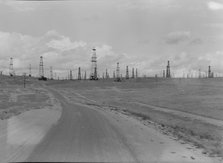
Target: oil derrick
[30, 73]
[164, 74]
[106, 74]
[136, 73]
[210, 74]
[11, 70]
[168, 70]
[133, 74]
[199, 73]
[85, 75]
[94, 75]
[71, 75]
[55, 75]
[118, 79]
[41, 70]
[127, 72]
[51, 73]
[113, 74]
[79, 73]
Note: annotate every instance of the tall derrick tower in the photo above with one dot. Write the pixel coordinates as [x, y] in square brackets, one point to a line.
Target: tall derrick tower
[79, 73]
[199, 75]
[11, 70]
[71, 75]
[41, 69]
[118, 73]
[51, 72]
[210, 74]
[106, 74]
[168, 70]
[94, 75]
[136, 73]
[133, 73]
[85, 75]
[127, 72]
[30, 73]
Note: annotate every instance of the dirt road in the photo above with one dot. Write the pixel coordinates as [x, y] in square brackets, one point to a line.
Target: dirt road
[84, 133]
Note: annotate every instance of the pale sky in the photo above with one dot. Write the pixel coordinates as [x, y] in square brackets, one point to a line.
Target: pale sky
[139, 33]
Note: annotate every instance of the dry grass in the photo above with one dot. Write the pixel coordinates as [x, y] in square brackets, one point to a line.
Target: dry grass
[197, 96]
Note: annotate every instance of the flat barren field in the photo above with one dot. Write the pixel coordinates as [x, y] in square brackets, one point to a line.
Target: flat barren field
[189, 109]
[166, 120]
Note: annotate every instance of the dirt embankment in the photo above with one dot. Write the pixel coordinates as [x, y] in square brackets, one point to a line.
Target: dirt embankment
[205, 136]
[15, 99]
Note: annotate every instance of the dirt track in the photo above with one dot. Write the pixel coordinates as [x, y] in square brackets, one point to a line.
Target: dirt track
[84, 133]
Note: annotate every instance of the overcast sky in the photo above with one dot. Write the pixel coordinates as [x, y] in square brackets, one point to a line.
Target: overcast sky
[138, 33]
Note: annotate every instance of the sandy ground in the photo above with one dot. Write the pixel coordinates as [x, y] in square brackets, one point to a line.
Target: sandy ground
[23, 132]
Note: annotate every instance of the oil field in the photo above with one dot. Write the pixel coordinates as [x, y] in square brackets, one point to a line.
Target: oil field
[86, 119]
[111, 81]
